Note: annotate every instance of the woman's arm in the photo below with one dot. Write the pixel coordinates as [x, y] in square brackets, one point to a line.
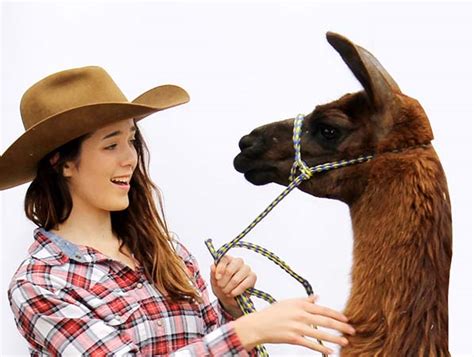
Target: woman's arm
[289, 321]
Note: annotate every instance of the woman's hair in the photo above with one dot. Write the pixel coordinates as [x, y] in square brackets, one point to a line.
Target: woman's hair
[140, 226]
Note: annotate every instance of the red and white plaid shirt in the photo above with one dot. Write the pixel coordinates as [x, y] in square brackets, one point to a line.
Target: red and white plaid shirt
[70, 299]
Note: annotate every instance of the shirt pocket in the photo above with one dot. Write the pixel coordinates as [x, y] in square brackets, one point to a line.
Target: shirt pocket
[183, 318]
[114, 308]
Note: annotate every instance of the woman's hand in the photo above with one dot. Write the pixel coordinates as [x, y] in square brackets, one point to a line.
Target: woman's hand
[230, 278]
[291, 321]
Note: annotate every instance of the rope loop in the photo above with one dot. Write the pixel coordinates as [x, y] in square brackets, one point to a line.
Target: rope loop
[299, 163]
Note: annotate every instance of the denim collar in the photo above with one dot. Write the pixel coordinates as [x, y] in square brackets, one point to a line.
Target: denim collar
[54, 249]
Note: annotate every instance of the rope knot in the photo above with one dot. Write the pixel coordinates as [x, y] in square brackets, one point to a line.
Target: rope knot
[303, 168]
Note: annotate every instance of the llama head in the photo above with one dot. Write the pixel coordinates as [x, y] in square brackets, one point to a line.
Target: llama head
[376, 120]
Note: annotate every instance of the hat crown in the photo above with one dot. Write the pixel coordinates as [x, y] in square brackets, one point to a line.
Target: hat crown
[66, 90]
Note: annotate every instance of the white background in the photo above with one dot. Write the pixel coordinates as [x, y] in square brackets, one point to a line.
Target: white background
[246, 64]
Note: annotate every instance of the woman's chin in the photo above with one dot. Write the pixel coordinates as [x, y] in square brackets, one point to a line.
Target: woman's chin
[119, 206]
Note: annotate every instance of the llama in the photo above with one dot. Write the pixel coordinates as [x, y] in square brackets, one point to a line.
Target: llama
[399, 205]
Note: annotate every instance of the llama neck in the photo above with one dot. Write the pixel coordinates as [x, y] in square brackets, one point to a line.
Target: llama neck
[402, 250]
[406, 201]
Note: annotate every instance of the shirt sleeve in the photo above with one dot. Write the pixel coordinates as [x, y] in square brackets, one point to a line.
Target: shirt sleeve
[56, 327]
[221, 339]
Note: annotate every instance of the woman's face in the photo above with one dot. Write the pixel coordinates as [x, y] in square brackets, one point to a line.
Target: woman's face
[100, 179]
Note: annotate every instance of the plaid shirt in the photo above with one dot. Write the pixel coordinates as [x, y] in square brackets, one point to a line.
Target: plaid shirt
[71, 299]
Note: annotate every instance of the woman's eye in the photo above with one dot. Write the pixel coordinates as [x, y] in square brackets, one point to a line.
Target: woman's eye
[328, 132]
[113, 146]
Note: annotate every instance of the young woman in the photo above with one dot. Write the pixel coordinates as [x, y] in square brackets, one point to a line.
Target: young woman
[103, 275]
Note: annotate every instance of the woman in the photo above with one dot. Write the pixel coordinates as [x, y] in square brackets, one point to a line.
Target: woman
[104, 275]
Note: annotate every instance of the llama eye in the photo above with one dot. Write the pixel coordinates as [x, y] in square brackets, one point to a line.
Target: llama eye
[328, 132]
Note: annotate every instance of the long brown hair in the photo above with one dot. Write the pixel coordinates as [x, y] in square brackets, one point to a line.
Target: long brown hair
[141, 226]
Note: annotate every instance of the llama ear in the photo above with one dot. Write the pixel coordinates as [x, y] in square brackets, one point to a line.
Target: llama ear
[377, 82]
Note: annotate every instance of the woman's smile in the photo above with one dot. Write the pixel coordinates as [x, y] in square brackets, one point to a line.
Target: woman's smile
[122, 182]
[122, 186]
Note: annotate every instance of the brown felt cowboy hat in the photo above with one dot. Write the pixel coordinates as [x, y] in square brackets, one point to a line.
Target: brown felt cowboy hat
[71, 103]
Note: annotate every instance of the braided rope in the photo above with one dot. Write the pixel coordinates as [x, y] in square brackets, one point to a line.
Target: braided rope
[275, 259]
[243, 300]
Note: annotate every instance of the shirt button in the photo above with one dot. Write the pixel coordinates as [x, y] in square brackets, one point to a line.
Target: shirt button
[159, 323]
[139, 285]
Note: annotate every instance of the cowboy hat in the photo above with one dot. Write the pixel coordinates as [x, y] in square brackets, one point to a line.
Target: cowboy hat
[69, 104]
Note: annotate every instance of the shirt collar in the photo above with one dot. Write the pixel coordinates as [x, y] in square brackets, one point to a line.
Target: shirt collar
[55, 250]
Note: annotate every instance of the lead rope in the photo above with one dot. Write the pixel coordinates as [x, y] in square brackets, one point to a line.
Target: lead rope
[243, 300]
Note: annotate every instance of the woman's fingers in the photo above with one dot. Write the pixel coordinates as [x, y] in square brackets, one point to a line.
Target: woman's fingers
[302, 341]
[326, 311]
[248, 282]
[225, 274]
[318, 320]
[221, 266]
[324, 336]
[236, 279]
[324, 316]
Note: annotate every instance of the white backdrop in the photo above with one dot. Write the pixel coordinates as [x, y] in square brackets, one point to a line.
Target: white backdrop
[246, 64]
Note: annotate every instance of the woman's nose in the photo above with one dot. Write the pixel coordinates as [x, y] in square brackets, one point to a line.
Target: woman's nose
[130, 157]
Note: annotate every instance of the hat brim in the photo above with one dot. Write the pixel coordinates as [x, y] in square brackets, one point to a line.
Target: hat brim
[19, 162]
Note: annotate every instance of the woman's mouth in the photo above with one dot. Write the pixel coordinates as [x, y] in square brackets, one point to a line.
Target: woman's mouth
[122, 184]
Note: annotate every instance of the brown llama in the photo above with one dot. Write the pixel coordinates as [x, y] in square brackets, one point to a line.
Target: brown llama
[399, 205]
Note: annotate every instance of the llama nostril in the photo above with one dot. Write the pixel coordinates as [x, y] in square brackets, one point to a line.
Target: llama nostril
[246, 142]
[252, 145]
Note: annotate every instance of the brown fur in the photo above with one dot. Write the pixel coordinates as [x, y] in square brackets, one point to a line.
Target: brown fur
[399, 205]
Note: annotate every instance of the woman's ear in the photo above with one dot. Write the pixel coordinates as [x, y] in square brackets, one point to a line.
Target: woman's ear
[67, 169]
